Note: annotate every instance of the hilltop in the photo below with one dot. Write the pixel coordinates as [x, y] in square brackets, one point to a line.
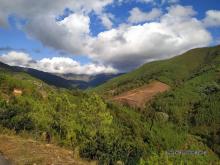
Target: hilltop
[173, 72]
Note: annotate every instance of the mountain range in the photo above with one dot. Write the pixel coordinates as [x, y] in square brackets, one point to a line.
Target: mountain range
[68, 81]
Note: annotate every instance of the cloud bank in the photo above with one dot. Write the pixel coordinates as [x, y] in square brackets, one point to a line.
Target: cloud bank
[54, 65]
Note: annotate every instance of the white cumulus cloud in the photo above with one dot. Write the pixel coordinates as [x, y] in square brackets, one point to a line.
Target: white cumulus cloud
[68, 65]
[16, 58]
[54, 65]
[138, 16]
[181, 11]
[129, 46]
[107, 20]
[212, 18]
[42, 25]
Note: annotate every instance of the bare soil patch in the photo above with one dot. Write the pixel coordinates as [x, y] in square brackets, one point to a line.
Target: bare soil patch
[138, 97]
[22, 151]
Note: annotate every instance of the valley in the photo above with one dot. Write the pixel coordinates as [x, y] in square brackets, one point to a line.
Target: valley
[178, 97]
[68, 81]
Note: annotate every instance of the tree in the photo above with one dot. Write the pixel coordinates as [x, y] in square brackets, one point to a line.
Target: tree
[94, 116]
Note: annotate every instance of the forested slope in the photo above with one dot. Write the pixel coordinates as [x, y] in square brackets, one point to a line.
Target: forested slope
[110, 133]
[193, 102]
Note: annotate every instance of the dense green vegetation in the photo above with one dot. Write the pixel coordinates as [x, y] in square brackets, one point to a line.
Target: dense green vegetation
[110, 133]
[195, 105]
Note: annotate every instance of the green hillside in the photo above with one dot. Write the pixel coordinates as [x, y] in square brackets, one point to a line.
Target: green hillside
[112, 133]
[174, 71]
[193, 102]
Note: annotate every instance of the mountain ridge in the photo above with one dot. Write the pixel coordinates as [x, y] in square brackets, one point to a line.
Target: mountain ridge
[61, 80]
[171, 71]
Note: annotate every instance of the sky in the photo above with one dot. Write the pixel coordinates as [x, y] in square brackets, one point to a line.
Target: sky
[103, 36]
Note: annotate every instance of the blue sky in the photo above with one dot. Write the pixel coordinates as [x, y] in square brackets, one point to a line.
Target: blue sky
[95, 38]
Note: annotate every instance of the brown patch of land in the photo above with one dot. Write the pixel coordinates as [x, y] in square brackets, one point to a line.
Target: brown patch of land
[22, 151]
[138, 97]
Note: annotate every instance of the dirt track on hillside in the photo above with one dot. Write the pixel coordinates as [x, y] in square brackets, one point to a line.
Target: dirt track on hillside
[138, 97]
